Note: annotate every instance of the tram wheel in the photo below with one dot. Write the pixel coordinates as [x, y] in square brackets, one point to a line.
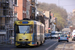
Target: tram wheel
[18, 46]
[37, 44]
[41, 43]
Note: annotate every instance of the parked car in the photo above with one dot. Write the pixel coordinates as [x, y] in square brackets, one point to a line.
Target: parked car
[59, 33]
[54, 34]
[47, 35]
[63, 37]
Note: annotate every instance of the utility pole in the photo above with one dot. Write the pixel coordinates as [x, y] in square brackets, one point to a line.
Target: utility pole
[49, 20]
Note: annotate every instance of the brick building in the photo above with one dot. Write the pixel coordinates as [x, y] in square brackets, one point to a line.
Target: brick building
[21, 9]
[25, 9]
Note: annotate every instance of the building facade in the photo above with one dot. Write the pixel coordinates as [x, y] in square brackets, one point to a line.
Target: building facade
[6, 18]
[46, 21]
[20, 9]
[25, 9]
[73, 11]
[33, 9]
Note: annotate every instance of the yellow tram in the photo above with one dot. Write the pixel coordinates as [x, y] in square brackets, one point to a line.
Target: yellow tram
[28, 33]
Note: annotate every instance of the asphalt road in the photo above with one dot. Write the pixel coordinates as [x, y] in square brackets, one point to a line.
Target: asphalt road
[50, 44]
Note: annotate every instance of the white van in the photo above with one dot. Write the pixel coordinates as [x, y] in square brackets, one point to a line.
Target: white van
[73, 35]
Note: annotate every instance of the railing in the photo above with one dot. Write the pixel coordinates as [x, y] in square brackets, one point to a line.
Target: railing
[4, 27]
[5, 1]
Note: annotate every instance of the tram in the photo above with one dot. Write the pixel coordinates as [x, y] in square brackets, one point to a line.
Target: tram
[28, 33]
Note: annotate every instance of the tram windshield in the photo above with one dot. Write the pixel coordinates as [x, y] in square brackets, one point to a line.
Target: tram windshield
[24, 29]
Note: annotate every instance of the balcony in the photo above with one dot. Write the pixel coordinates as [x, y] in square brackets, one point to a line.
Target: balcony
[6, 13]
[2, 28]
[4, 3]
[9, 26]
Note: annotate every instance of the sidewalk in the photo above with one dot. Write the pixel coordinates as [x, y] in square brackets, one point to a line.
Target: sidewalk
[6, 44]
[74, 47]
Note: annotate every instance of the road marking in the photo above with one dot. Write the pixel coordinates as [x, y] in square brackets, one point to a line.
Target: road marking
[51, 46]
[64, 46]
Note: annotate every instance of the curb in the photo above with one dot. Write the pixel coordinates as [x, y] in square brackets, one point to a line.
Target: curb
[73, 47]
[6, 44]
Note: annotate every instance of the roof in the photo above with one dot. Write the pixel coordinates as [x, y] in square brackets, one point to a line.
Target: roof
[66, 29]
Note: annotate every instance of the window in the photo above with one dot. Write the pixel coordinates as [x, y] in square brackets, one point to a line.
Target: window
[63, 36]
[16, 2]
[2, 27]
[52, 33]
[15, 14]
[27, 12]
[15, 19]
[33, 9]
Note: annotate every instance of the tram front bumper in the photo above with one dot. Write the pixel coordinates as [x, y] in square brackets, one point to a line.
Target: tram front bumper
[23, 43]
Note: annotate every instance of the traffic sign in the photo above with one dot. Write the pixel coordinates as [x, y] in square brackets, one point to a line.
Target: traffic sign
[49, 28]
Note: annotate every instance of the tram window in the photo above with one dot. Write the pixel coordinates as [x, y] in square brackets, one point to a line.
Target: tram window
[41, 31]
[38, 29]
[24, 29]
[16, 29]
[31, 29]
[35, 28]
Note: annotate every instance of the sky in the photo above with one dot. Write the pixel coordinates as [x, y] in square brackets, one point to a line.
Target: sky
[69, 5]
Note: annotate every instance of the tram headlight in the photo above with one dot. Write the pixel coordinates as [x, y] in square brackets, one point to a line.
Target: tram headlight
[20, 39]
[26, 39]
